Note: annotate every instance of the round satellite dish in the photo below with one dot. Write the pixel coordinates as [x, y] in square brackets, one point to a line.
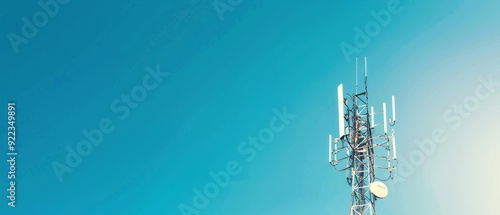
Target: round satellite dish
[379, 189]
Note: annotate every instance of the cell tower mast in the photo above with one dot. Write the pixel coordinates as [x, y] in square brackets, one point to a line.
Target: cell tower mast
[366, 148]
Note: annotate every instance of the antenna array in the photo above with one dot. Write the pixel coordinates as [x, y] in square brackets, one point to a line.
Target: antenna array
[366, 148]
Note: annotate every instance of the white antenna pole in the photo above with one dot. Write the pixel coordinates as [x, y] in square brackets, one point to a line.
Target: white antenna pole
[385, 118]
[340, 95]
[366, 68]
[356, 75]
[393, 109]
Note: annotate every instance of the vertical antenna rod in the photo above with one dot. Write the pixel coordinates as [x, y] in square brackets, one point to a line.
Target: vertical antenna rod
[366, 69]
[356, 75]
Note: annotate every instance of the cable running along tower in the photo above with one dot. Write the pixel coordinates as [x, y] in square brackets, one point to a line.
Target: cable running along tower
[363, 147]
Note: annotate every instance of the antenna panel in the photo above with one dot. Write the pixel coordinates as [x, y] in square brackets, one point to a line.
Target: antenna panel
[340, 95]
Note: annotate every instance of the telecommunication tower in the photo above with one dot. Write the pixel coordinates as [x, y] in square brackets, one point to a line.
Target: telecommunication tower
[364, 147]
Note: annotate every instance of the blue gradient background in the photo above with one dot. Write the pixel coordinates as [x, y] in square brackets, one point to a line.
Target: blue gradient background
[226, 78]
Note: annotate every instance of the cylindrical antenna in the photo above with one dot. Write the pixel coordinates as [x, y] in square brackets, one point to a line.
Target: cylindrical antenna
[356, 76]
[366, 68]
[366, 79]
[385, 118]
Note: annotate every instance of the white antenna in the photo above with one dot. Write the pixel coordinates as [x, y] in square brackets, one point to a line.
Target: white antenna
[393, 109]
[394, 144]
[356, 75]
[385, 118]
[340, 95]
[366, 68]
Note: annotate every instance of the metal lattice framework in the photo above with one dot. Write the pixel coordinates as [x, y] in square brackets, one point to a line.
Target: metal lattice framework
[364, 149]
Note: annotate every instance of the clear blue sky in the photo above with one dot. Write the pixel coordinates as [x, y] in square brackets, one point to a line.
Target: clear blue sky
[234, 69]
